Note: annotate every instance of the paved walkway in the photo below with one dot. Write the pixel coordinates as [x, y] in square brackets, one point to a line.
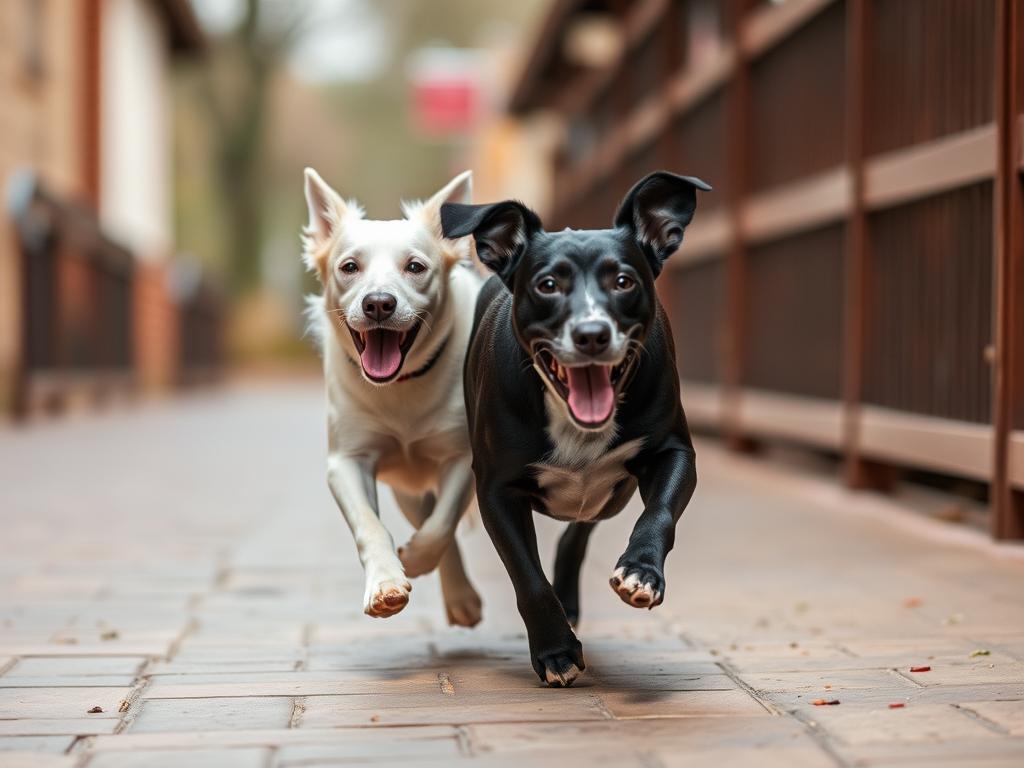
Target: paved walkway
[177, 589]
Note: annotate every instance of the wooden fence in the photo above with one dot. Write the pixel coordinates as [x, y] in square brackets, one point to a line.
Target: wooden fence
[95, 324]
[76, 308]
[855, 282]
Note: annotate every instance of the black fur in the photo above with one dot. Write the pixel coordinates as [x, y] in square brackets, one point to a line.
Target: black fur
[505, 395]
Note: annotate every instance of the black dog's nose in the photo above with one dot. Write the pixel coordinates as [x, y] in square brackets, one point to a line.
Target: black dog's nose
[379, 306]
[592, 337]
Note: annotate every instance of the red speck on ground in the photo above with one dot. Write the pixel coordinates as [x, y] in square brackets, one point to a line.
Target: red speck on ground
[920, 669]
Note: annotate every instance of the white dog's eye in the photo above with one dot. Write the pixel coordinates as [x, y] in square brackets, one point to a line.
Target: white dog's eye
[348, 267]
[415, 268]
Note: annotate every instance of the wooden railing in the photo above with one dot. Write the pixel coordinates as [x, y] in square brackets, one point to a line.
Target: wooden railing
[855, 280]
[95, 323]
[76, 306]
[201, 348]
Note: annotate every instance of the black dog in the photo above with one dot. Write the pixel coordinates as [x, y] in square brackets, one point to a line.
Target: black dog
[597, 417]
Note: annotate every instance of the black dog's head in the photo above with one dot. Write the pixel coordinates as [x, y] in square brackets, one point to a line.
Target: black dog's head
[583, 301]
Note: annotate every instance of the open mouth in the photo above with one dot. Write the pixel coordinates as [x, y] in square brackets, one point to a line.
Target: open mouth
[382, 351]
[590, 390]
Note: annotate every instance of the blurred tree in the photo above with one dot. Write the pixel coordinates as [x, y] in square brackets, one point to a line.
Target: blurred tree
[251, 115]
[234, 84]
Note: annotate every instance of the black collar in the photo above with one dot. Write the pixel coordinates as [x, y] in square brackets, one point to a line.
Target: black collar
[419, 371]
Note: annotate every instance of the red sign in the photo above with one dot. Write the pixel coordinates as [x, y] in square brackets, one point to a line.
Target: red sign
[445, 91]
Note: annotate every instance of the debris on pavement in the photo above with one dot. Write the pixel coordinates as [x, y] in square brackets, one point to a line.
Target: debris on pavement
[921, 669]
[95, 710]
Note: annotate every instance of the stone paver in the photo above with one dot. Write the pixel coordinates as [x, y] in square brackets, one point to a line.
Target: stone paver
[182, 567]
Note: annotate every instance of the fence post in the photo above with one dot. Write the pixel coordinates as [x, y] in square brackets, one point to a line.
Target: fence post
[738, 161]
[856, 474]
[1007, 503]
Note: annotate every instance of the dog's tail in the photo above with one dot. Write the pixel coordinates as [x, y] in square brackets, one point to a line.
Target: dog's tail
[316, 320]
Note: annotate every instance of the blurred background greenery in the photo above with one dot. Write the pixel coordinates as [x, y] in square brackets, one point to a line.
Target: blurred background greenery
[283, 85]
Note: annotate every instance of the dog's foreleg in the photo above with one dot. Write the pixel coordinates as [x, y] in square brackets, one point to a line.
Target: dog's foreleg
[556, 654]
[352, 482]
[572, 547]
[666, 486]
[461, 601]
[424, 550]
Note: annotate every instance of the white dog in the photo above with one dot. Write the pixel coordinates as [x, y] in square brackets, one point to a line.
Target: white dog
[394, 321]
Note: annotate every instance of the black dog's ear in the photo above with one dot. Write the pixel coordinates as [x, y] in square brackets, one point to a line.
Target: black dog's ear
[657, 210]
[501, 231]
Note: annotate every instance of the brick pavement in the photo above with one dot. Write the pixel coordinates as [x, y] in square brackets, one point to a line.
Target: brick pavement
[181, 569]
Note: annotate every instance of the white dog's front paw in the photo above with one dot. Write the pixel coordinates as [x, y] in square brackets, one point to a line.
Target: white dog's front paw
[386, 598]
[420, 556]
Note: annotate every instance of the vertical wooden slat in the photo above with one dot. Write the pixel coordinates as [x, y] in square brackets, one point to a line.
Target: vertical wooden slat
[857, 473]
[92, 16]
[1008, 503]
[665, 153]
[738, 98]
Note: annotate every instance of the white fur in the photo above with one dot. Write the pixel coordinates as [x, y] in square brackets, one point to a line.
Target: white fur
[409, 434]
[580, 473]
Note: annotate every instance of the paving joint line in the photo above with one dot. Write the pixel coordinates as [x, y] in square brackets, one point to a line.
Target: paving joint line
[128, 705]
[464, 741]
[298, 711]
[308, 628]
[734, 675]
[819, 736]
[981, 719]
[900, 673]
[602, 707]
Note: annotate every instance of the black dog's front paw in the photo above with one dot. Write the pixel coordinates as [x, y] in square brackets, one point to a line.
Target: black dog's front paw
[639, 584]
[559, 666]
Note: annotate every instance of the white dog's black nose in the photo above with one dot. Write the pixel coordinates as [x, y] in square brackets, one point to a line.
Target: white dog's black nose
[592, 337]
[379, 306]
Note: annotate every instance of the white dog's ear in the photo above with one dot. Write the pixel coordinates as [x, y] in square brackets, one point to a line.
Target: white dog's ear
[458, 190]
[326, 209]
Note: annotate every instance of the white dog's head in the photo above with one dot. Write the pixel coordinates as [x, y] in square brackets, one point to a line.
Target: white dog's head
[384, 281]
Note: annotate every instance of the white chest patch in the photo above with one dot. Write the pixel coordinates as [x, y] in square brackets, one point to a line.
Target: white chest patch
[580, 475]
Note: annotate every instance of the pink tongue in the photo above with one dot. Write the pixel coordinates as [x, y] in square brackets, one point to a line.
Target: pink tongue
[591, 397]
[382, 357]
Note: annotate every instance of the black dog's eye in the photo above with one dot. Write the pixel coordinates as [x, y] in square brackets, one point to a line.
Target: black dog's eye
[349, 267]
[547, 285]
[624, 282]
[415, 268]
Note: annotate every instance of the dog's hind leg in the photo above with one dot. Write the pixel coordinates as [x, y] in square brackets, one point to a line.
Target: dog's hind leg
[461, 601]
[435, 534]
[572, 547]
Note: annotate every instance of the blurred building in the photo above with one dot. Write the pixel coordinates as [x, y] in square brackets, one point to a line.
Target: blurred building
[855, 281]
[91, 303]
